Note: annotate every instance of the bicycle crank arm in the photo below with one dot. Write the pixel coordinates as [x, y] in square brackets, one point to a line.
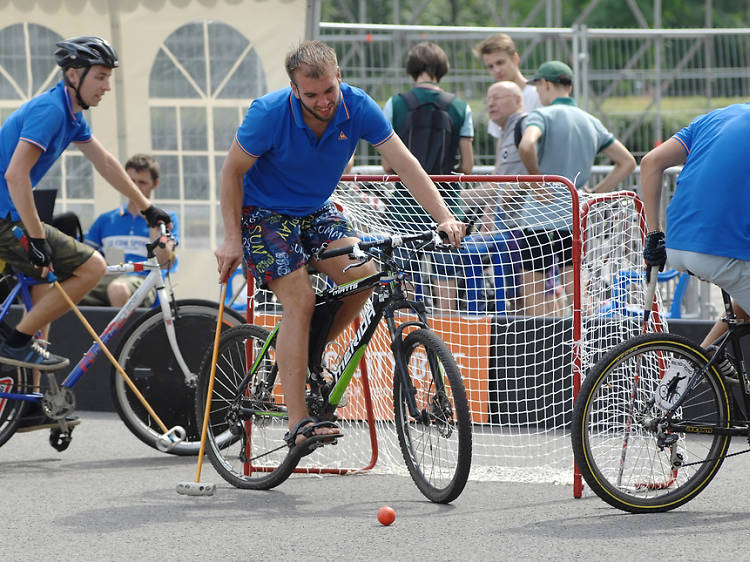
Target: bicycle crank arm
[168, 440]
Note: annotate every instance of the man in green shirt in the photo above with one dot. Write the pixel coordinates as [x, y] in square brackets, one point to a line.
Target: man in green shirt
[561, 139]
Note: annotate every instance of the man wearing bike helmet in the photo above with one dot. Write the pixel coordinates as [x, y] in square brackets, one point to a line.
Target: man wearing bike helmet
[31, 140]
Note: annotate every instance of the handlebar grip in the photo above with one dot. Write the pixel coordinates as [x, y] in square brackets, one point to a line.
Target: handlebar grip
[325, 254]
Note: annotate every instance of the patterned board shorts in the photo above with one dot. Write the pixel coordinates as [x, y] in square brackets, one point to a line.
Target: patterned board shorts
[67, 252]
[275, 245]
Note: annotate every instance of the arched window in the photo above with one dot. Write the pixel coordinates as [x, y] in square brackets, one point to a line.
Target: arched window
[201, 83]
[28, 68]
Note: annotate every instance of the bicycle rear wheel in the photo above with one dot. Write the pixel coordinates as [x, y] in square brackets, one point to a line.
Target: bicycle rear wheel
[614, 437]
[436, 444]
[247, 419]
[146, 356]
[12, 380]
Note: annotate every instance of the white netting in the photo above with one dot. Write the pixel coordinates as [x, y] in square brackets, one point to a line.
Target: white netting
[512, 329]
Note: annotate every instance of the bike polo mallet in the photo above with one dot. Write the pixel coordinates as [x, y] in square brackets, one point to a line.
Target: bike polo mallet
[197, 488]
[169, 437]
[650, 292]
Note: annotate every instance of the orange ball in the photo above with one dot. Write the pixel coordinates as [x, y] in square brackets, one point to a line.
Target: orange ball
[386, 515]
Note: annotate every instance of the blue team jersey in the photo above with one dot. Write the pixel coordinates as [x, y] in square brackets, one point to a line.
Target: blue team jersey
[295, 172]
[119, 229]
[46, 121]
[708, 212]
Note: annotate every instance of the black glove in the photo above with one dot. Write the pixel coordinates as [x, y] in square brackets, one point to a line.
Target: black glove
[39, 252]
[154, 215]
[655, 253]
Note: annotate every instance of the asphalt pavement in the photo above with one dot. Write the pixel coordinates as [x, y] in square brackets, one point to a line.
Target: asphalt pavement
[109, 497]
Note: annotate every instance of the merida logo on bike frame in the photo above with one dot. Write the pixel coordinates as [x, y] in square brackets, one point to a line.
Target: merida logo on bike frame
[343, 289]
[368, 313]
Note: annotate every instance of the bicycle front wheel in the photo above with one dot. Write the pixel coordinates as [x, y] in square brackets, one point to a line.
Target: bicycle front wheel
[147, 357]
[623, 455]
[248, 419]
[436, 439]
[17, 380]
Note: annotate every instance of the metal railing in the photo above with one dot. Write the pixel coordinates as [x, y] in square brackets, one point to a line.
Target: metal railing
[644, 84]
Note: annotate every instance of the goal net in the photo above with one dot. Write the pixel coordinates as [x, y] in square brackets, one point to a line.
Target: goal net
[548, 281]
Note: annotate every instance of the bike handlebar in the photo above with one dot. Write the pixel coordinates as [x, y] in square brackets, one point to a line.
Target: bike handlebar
[388, 242]
[165, 235]
[357, 251]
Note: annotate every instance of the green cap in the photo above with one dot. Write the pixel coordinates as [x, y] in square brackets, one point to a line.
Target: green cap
[554, 71]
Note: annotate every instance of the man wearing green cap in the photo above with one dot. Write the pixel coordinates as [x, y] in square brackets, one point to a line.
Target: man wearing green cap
[560, 138]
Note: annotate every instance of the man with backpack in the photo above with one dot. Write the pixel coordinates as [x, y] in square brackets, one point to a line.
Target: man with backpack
[438, 130]
[435, 126]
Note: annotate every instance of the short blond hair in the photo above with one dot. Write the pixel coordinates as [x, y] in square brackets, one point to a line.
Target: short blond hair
[314, 58]
[498, 43]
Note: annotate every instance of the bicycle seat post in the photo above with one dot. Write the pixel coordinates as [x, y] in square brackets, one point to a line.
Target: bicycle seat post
[729, 316]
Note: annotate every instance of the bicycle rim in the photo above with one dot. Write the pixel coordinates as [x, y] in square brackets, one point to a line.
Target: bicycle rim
[146, 356]
[615, 444]
[12, 380]
[436, 446]
[244, 439]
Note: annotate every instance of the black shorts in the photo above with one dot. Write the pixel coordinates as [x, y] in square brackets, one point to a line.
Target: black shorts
[541, 249]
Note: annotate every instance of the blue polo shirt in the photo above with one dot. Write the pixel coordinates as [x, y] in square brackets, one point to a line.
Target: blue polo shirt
[46, 121]
[295, 172]
[708, 211]
[119, 229]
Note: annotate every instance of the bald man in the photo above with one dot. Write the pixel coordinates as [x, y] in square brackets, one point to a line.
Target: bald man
[505, 108]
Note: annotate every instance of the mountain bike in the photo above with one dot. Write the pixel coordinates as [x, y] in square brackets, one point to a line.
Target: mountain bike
[248, 418]
[161, 351]
[654, 417]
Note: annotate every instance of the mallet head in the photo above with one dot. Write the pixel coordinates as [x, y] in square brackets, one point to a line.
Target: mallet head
[196, 489]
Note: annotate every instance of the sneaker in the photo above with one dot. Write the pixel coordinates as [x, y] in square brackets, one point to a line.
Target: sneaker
[37, 420]
[33, 356]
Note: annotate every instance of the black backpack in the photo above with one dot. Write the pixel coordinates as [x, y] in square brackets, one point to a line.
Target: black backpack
[428, 133]
[518, 129]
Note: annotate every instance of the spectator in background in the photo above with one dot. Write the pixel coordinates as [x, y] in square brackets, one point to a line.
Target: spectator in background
[438, 129]
[506, 111]
[122, 235]
[498, 54]
[427, 64]
[559, 139]
[501, 203]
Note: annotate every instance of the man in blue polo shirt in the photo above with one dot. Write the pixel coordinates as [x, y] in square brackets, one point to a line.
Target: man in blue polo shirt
[708, 230]
[286, 160]
[124, 231]
[31, 140]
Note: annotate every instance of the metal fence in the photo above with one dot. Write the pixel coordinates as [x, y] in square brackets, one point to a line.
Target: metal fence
[644, 84]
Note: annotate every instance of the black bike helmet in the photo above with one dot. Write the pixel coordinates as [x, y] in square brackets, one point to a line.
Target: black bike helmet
[83, 52]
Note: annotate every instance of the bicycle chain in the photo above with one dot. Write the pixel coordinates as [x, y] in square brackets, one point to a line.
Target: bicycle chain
[715, 458]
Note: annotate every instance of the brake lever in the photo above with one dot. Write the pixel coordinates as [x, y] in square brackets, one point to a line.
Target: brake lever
[360, 263]
[357, 254]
